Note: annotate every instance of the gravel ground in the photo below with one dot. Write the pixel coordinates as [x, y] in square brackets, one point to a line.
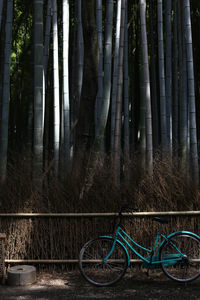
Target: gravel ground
[71, 285]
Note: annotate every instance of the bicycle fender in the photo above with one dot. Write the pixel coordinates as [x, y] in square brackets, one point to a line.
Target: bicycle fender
[110, 237]
[179, 232]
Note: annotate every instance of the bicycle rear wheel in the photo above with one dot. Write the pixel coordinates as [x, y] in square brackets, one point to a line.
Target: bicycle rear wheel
[95, 270]
[187, 268]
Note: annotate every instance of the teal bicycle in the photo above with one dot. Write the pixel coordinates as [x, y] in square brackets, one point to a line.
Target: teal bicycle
[103, 261]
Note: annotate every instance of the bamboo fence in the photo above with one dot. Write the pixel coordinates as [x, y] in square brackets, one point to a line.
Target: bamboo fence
[84, 215]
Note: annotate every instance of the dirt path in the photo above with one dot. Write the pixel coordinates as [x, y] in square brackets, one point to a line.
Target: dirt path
[135, 285]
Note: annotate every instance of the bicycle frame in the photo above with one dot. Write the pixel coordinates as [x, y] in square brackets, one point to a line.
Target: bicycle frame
[153, 260]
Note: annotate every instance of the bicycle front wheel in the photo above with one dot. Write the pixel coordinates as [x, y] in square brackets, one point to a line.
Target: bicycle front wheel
[93, 267]
[182, 268]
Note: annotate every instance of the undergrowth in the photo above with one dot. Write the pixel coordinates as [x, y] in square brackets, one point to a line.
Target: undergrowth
[169, 189]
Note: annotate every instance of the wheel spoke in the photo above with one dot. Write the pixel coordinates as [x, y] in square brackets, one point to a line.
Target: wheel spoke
[185, 270]
[102, 273]
[114, 267]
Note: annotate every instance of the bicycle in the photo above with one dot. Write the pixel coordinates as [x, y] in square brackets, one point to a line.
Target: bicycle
[103, 261]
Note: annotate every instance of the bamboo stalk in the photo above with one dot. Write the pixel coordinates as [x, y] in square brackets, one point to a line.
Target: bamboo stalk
[161, 65]
[100, 66]
[191, 91]
[118, 120]
[111, 214]
[63, 261]
[145, 90]
[56, 86]
[1, 11]
[53, 261]
[175, 103]
[5, 101]
[115, 72]
[66, 104]
[168, 71]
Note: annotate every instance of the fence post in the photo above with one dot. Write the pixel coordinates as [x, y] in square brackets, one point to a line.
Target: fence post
[2, 257]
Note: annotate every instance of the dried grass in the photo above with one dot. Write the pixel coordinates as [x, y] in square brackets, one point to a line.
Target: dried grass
[169, 189]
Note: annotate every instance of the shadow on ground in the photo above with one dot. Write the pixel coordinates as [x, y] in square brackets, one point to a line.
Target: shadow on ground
[135, 285]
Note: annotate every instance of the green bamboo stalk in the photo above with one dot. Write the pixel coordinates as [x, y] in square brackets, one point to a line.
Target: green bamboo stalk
[56, 87]
[38, 90]
[115, 72]
[191, 92]
[80, 56]
[162, 76]
[175, 117]
[1, 10]
[96, 148]
[154, 88]
[126, 89]
[66, 107]
[85, 134]
[183, 91]
[168, 25]
[6, 93]
[117, 133]
[100, 66]
[146, 88]
[107, 70]
[47, 38]
[73, 113]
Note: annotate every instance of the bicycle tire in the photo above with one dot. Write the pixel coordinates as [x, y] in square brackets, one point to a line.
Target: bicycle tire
[91, 262]
[187, 269]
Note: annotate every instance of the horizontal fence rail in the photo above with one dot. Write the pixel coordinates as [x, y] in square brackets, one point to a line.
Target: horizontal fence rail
[55, 261]
[87, 215]
[64, 261]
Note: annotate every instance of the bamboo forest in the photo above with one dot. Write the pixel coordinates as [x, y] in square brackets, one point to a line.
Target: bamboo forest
[99, 106]
[99, 103]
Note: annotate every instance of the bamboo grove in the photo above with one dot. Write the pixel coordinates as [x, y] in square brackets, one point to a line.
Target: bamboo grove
[83, 81]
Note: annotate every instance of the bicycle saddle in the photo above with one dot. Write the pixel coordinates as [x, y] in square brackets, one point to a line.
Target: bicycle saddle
[163, 220]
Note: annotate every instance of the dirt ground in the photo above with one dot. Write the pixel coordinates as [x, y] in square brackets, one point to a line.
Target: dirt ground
[71, 285]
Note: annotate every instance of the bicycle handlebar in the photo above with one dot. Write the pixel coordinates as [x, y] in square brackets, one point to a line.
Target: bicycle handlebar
[124, 208]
